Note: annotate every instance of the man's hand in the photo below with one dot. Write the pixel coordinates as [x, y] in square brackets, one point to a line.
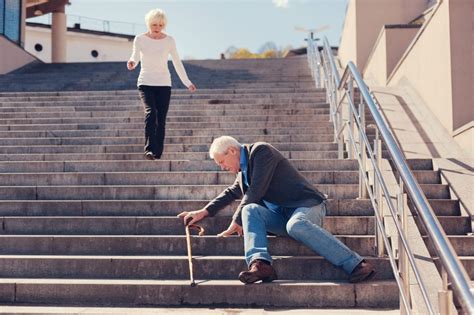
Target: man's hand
[233, 228]
[191, 217]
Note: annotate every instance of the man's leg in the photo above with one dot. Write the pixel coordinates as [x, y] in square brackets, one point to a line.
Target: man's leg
[305, 226]
[256, 221]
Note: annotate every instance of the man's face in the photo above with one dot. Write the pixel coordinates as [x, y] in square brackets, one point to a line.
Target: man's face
[229, 160]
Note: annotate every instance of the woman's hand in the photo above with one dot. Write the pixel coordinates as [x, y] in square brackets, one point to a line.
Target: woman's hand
[233, 228]
[192, 88]
[131, 65]
[194, 216]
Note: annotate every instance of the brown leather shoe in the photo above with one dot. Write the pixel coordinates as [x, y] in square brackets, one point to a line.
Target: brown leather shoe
[258, 270]
[362, 272]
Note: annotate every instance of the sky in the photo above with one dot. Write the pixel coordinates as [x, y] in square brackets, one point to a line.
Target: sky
[203, 29]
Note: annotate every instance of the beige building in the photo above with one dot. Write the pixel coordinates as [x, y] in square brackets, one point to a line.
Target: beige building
[81, 45]
[420, 45]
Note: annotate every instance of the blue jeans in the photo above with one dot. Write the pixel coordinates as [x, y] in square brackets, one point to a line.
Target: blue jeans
[303, 224]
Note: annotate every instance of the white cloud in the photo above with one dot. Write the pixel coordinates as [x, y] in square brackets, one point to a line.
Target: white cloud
[281, 3]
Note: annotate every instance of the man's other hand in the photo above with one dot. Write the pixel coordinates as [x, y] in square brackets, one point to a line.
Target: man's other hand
[233, 228]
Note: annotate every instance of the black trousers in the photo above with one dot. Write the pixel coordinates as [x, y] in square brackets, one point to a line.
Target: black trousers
[156, 101]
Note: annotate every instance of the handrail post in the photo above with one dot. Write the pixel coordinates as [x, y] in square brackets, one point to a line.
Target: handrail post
[378, 194]
[402, 253]
[350, 117]
[317, 64]
[445, 296]
[363, 156]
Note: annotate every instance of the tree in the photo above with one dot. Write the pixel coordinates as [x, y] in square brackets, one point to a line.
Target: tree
[268, 50]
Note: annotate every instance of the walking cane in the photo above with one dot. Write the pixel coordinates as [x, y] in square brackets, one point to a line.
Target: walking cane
[190, 255]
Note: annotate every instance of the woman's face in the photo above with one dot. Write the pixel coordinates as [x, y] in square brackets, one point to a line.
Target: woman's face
[156, 27]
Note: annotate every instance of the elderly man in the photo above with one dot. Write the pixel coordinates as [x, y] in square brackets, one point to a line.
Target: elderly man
[276, 198]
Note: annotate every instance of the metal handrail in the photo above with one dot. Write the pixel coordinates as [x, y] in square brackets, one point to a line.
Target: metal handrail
[449, 260]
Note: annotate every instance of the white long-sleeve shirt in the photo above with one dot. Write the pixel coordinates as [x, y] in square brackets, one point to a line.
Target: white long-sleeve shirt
[153, 53]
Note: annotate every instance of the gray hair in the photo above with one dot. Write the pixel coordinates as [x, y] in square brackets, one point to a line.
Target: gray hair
[155, 15]
[222, 144]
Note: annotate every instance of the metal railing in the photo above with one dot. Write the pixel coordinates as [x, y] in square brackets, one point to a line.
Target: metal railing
[353, 126]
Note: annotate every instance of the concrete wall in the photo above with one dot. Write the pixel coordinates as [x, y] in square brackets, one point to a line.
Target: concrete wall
[79, 46]
[364, 20]
[439, 66]
[464, 136]
[376, 67]
[388, 49]
[347, 44]
[461, 29]
[12, 57]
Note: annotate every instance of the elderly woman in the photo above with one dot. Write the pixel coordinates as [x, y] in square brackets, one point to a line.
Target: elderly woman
[154, 81]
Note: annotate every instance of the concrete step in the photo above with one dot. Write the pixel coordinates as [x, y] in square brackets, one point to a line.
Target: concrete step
[445, 207]
[133, 96]
[135, 105]
[427, 177]
[132, 93]
[193, 127]
[288, 99]
[138, 148]
[249, 118]
[156, 178]
[132, 245]
[341, 207]
[468, 263]
[156, 225]
[436, 191]
[142, 192]
[217, 102]
[171, 114]
[139, 156]
[308, 268]
[454, 225]
[463, 244]
[139, 132]
[158, 166]
[229, 293]
[420, 164]
[170, 140]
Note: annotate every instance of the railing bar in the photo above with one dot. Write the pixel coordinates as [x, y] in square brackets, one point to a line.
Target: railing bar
[378, 219]
[392, 209]
[443, 247]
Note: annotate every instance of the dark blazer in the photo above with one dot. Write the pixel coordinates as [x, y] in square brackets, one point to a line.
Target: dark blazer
[272, 178]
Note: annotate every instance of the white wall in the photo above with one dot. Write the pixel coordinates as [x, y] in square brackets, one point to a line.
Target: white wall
[79, 46]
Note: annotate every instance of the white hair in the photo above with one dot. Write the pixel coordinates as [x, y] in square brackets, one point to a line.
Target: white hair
[222, 144]
[156, 15]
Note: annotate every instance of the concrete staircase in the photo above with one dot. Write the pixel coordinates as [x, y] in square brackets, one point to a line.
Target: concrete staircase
[87, 221]
[455, 222]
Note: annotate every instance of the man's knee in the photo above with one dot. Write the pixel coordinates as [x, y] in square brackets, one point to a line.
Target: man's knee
[296, 226]
[251, 209]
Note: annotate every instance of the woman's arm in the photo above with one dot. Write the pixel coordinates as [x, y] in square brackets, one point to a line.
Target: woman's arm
[135, 57]
[178, 65]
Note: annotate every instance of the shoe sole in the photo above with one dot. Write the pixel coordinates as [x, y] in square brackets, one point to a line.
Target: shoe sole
[366, 277]
[149, 157]
[250, 279]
